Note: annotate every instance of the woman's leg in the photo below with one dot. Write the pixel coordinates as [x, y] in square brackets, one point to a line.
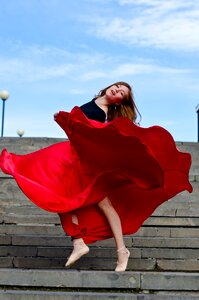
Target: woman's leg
[114, 221]
[115, 224]
[79, 247]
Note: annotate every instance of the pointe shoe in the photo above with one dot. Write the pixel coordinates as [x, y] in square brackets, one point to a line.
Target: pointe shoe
[123, 256]
[80, 249]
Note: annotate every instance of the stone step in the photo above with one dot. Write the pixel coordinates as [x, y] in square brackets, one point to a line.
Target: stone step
[153, 281]
[175, 211]
[98, 252]
[50, 218]
[25, 210]
[53, 218]
[99, 259]
[17, 213]
[130, 241]
[59, 252]
[82, 264]
[76, 295]
[171, 221]
[191, 212]
[51, 229]
[60, 241]
[45, 229]
[153, 242]
[27, 145]
[87, 263]
[10, 191]
[45, 295]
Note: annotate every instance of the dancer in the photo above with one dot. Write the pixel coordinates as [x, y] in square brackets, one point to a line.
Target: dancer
[112, 102]
[108, 178]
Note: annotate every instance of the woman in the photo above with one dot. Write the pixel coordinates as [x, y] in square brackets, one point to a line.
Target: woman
[110, 176]
[112, 102]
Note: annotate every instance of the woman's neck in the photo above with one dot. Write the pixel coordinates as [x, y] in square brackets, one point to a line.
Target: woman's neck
[102, 103]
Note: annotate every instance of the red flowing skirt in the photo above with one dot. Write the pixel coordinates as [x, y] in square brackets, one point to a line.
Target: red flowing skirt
[137, 168]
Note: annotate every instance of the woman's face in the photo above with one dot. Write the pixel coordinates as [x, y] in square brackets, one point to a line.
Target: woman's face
[116, 93]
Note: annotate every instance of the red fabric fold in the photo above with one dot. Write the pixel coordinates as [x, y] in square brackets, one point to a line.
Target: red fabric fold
[138, 168]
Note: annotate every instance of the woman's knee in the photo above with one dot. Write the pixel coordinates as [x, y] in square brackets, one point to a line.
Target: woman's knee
[75, 219]
[105, 204]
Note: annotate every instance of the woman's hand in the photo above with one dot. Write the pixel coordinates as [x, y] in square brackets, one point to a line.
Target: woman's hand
[55, 115]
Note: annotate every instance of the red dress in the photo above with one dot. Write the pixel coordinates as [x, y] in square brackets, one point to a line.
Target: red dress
[137, 168]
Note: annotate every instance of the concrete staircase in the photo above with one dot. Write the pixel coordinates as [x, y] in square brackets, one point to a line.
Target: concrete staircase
[164, 261]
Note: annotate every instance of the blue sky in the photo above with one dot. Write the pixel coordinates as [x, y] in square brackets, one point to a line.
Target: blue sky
[56, 54]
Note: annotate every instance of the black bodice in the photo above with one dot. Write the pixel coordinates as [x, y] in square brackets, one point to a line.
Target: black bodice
[93, 111]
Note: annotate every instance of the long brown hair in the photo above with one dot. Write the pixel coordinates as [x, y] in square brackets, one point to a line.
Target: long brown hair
[127, 108]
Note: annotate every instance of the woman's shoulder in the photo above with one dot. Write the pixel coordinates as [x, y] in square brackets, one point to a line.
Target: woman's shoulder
[87, 105]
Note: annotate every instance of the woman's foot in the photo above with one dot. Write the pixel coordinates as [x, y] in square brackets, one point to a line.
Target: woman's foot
[123, 256]
[79, 249]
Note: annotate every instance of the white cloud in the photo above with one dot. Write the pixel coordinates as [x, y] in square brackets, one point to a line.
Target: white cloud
[167, 123]
[33, 63]
[77, 92]
[163, 6]
[132, 69]
[27, 71]
[93, 75]
[170, 24]
[39, 64]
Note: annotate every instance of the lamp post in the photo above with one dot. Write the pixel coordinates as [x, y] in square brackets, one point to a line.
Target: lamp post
[4, 96]
[197, 110]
